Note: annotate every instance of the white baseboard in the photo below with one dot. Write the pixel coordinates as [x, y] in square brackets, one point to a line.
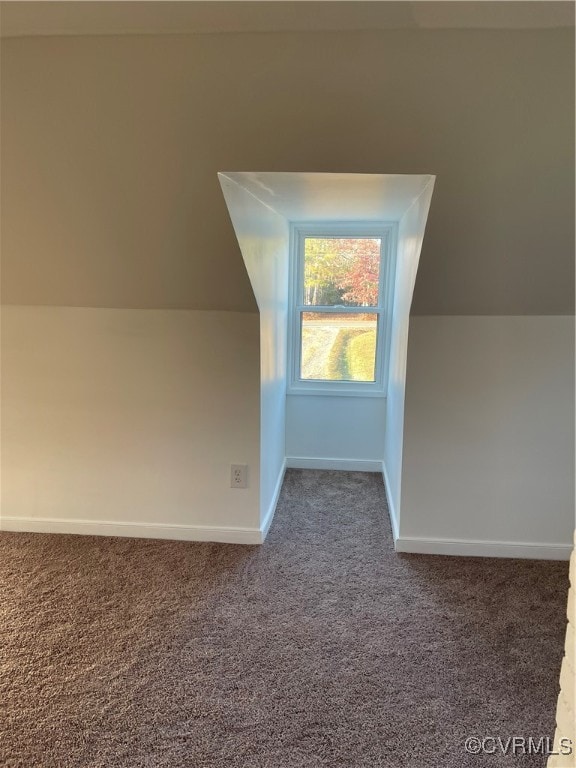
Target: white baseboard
[391, 509]
[346, 465]
[133, 530]
[469, 548]
[148, 530]
[269, 516]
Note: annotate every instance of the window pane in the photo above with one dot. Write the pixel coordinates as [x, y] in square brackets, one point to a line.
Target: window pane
[338, 346]
[341, 271]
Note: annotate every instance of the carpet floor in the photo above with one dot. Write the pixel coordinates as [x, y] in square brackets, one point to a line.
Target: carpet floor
[320, 648]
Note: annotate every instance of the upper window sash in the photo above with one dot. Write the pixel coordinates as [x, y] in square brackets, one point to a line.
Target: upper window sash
[353, 231]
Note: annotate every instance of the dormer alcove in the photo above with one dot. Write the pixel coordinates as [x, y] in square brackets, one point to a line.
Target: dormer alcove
[339, 429]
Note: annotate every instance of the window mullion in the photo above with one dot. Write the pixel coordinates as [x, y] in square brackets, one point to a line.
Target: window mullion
[338, 310]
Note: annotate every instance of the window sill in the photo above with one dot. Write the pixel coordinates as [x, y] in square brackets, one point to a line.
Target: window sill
[325, 391]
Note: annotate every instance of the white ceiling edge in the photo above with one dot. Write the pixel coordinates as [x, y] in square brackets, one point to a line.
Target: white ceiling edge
[303, 197]
[23, 18]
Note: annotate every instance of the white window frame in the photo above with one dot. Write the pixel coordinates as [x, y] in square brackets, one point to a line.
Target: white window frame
[387, 232]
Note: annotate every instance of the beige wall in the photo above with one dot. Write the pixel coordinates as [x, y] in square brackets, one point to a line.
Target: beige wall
[110, 198]
[111, 146]
[125, 422]
[488, 464]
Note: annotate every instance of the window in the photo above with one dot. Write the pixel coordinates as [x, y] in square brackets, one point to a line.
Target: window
[340, 292]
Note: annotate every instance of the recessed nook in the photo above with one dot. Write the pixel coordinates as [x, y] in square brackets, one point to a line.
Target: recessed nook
[325, 418]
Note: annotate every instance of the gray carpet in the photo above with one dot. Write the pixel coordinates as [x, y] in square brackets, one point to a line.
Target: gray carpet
[321, 648]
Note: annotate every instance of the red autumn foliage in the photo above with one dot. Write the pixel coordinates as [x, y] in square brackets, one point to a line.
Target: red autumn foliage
[361, 279]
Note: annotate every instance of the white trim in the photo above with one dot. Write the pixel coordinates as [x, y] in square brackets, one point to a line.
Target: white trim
[340, 392]
[391, 510]
[132, 530]
[269, 516]
[470, 548]
[346, 465]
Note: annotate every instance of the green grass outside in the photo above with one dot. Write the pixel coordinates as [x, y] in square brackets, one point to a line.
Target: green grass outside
[352, 356]
[360, 356]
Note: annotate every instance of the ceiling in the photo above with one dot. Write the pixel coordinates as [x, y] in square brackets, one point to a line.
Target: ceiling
[25, 18]
[112, 144]
[338, 197]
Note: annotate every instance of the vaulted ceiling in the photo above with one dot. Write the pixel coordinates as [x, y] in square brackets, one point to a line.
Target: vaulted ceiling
[93, 17]
[111, 143]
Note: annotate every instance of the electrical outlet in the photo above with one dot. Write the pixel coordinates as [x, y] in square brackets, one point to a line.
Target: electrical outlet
[239, 476]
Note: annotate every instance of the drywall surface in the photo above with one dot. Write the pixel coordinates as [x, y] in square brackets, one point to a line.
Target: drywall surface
[489, 431]
[410, 235]
[263, 236]
[310, 196]
[130, 419]
[111, 146]
[33, 18]
[348, 429]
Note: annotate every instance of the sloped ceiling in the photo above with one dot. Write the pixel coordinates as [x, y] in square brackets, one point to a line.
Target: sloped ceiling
[111, 147]
[166, 17]
[311, 197]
